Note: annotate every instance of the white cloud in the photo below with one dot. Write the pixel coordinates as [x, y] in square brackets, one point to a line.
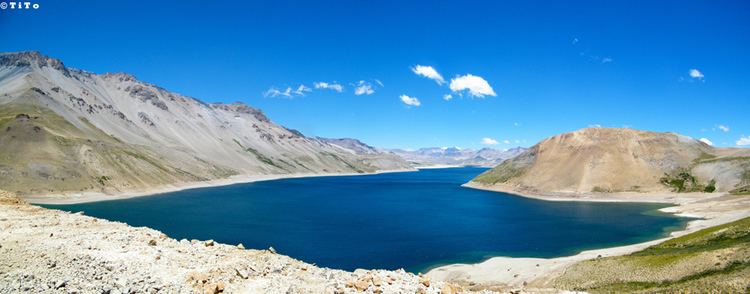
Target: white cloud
[447, 97]
[743, 141]
[273, 92]
[575, 41]
[413, 101]
[707, 141]
[301, 90]
[595, 126]
[363, 88]
[489, 141]
[607, 60]
[516, 124]
[288, 92]
[723, 128]
[506, 141]
[477, 86]
[331, 86]
[428, 72]
[696, 74]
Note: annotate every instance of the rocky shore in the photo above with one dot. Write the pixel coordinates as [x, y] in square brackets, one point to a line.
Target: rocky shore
[51, 251]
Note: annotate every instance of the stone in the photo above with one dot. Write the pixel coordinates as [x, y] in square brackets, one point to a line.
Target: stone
[361, 285]
[272, 250]
[424, 281]
[240, 246]
[241, 273]
[209, 243]
[152, 242]
[449, 288]
[60, 284]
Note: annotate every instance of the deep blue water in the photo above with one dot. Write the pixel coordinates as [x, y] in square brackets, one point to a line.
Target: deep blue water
[411, 220]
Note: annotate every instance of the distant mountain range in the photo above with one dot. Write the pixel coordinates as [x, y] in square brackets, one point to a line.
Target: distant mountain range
[436, 156]
[69, 130]
[622, 160]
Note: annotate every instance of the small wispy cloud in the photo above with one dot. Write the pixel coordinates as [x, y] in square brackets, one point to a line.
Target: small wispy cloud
[489, 141]
[363, 88]
[411, 101]
[289, 92]
[273, 92]
[475, 85]
[707, 141]
[447, 97]
[696, 74]
[597, 126]
[516, 124]
[301, 90]
[428, 72]
[330, 86]
[506, 142]
[723, 128]
[593, 57]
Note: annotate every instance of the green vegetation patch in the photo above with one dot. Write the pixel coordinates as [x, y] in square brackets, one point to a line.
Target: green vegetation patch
[682, 181]
[703, 261]
[501, 173]
[102, 180]
[258, 155]
[262, 157]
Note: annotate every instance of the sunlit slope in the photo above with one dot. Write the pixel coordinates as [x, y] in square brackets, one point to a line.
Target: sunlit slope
[710, 260]
[112, 132]
[622, 160]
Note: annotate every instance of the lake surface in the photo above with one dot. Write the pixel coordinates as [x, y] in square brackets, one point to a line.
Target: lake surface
[411, 220]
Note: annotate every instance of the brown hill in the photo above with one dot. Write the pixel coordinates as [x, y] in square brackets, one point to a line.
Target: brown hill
[622, 160]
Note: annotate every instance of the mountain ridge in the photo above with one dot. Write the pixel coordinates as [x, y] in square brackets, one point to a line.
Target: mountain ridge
[454, 156]
[109, 125]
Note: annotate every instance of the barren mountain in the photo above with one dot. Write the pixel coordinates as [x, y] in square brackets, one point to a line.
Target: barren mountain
[457, 156]
[68, 130]
[622, 160]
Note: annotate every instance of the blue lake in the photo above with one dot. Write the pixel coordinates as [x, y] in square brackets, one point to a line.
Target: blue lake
[411, 220]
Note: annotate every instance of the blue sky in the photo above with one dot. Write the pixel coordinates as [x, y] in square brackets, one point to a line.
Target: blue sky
[553, 67]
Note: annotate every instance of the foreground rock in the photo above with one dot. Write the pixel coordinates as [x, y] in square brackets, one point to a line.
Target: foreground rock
[50, 251]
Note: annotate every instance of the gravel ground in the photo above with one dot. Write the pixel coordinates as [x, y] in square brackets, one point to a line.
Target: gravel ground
[51, 251]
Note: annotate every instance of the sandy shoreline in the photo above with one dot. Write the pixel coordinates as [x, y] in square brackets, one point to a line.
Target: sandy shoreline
[85, 197]
[710, 209]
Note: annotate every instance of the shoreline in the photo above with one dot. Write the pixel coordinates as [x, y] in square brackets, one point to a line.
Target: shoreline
[709, 210]
[499, 271]
[53, 251]
[88, 197]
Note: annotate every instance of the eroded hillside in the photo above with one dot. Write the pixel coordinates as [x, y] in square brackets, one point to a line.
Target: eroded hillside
[622, 160]
[68, 130]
